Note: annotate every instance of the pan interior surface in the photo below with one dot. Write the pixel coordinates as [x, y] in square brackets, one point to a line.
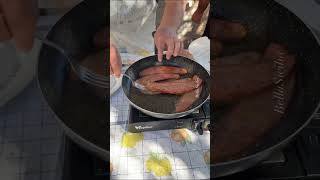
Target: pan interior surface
[79, 110]
[270, 22]
[163, 103]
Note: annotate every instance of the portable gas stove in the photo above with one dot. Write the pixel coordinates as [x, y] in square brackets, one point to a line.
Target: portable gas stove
[199, 120]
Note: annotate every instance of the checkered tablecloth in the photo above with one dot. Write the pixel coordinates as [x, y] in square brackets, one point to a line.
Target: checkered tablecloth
[30, 139]
[166, 154]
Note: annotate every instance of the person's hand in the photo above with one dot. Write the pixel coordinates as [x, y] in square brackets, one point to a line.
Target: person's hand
[18, 22]
[166, 38]
[115, 61]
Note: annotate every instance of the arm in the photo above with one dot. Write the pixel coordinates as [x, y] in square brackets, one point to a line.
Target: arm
[202, 6]
[115, 60]
[173, 14]
[166, 34]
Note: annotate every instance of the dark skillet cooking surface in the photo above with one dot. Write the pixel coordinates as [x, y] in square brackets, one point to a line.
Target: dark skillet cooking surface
[82, 114]
[270, 22]
[255, 19]
[163, 103]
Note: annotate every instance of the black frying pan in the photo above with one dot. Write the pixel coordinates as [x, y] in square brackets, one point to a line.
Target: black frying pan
[162, 105]
[82, 114]
[269, 21]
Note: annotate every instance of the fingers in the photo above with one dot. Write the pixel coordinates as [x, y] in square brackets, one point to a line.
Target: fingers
[160, 52]
[170, 45]
[20, 15]
[111, 72]
[115, 67]
[177, 47]
[160, 46]
[167, 38]
[115, 62]
[174, 46]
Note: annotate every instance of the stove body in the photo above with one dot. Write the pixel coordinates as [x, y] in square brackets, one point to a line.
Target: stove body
[198, 120]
